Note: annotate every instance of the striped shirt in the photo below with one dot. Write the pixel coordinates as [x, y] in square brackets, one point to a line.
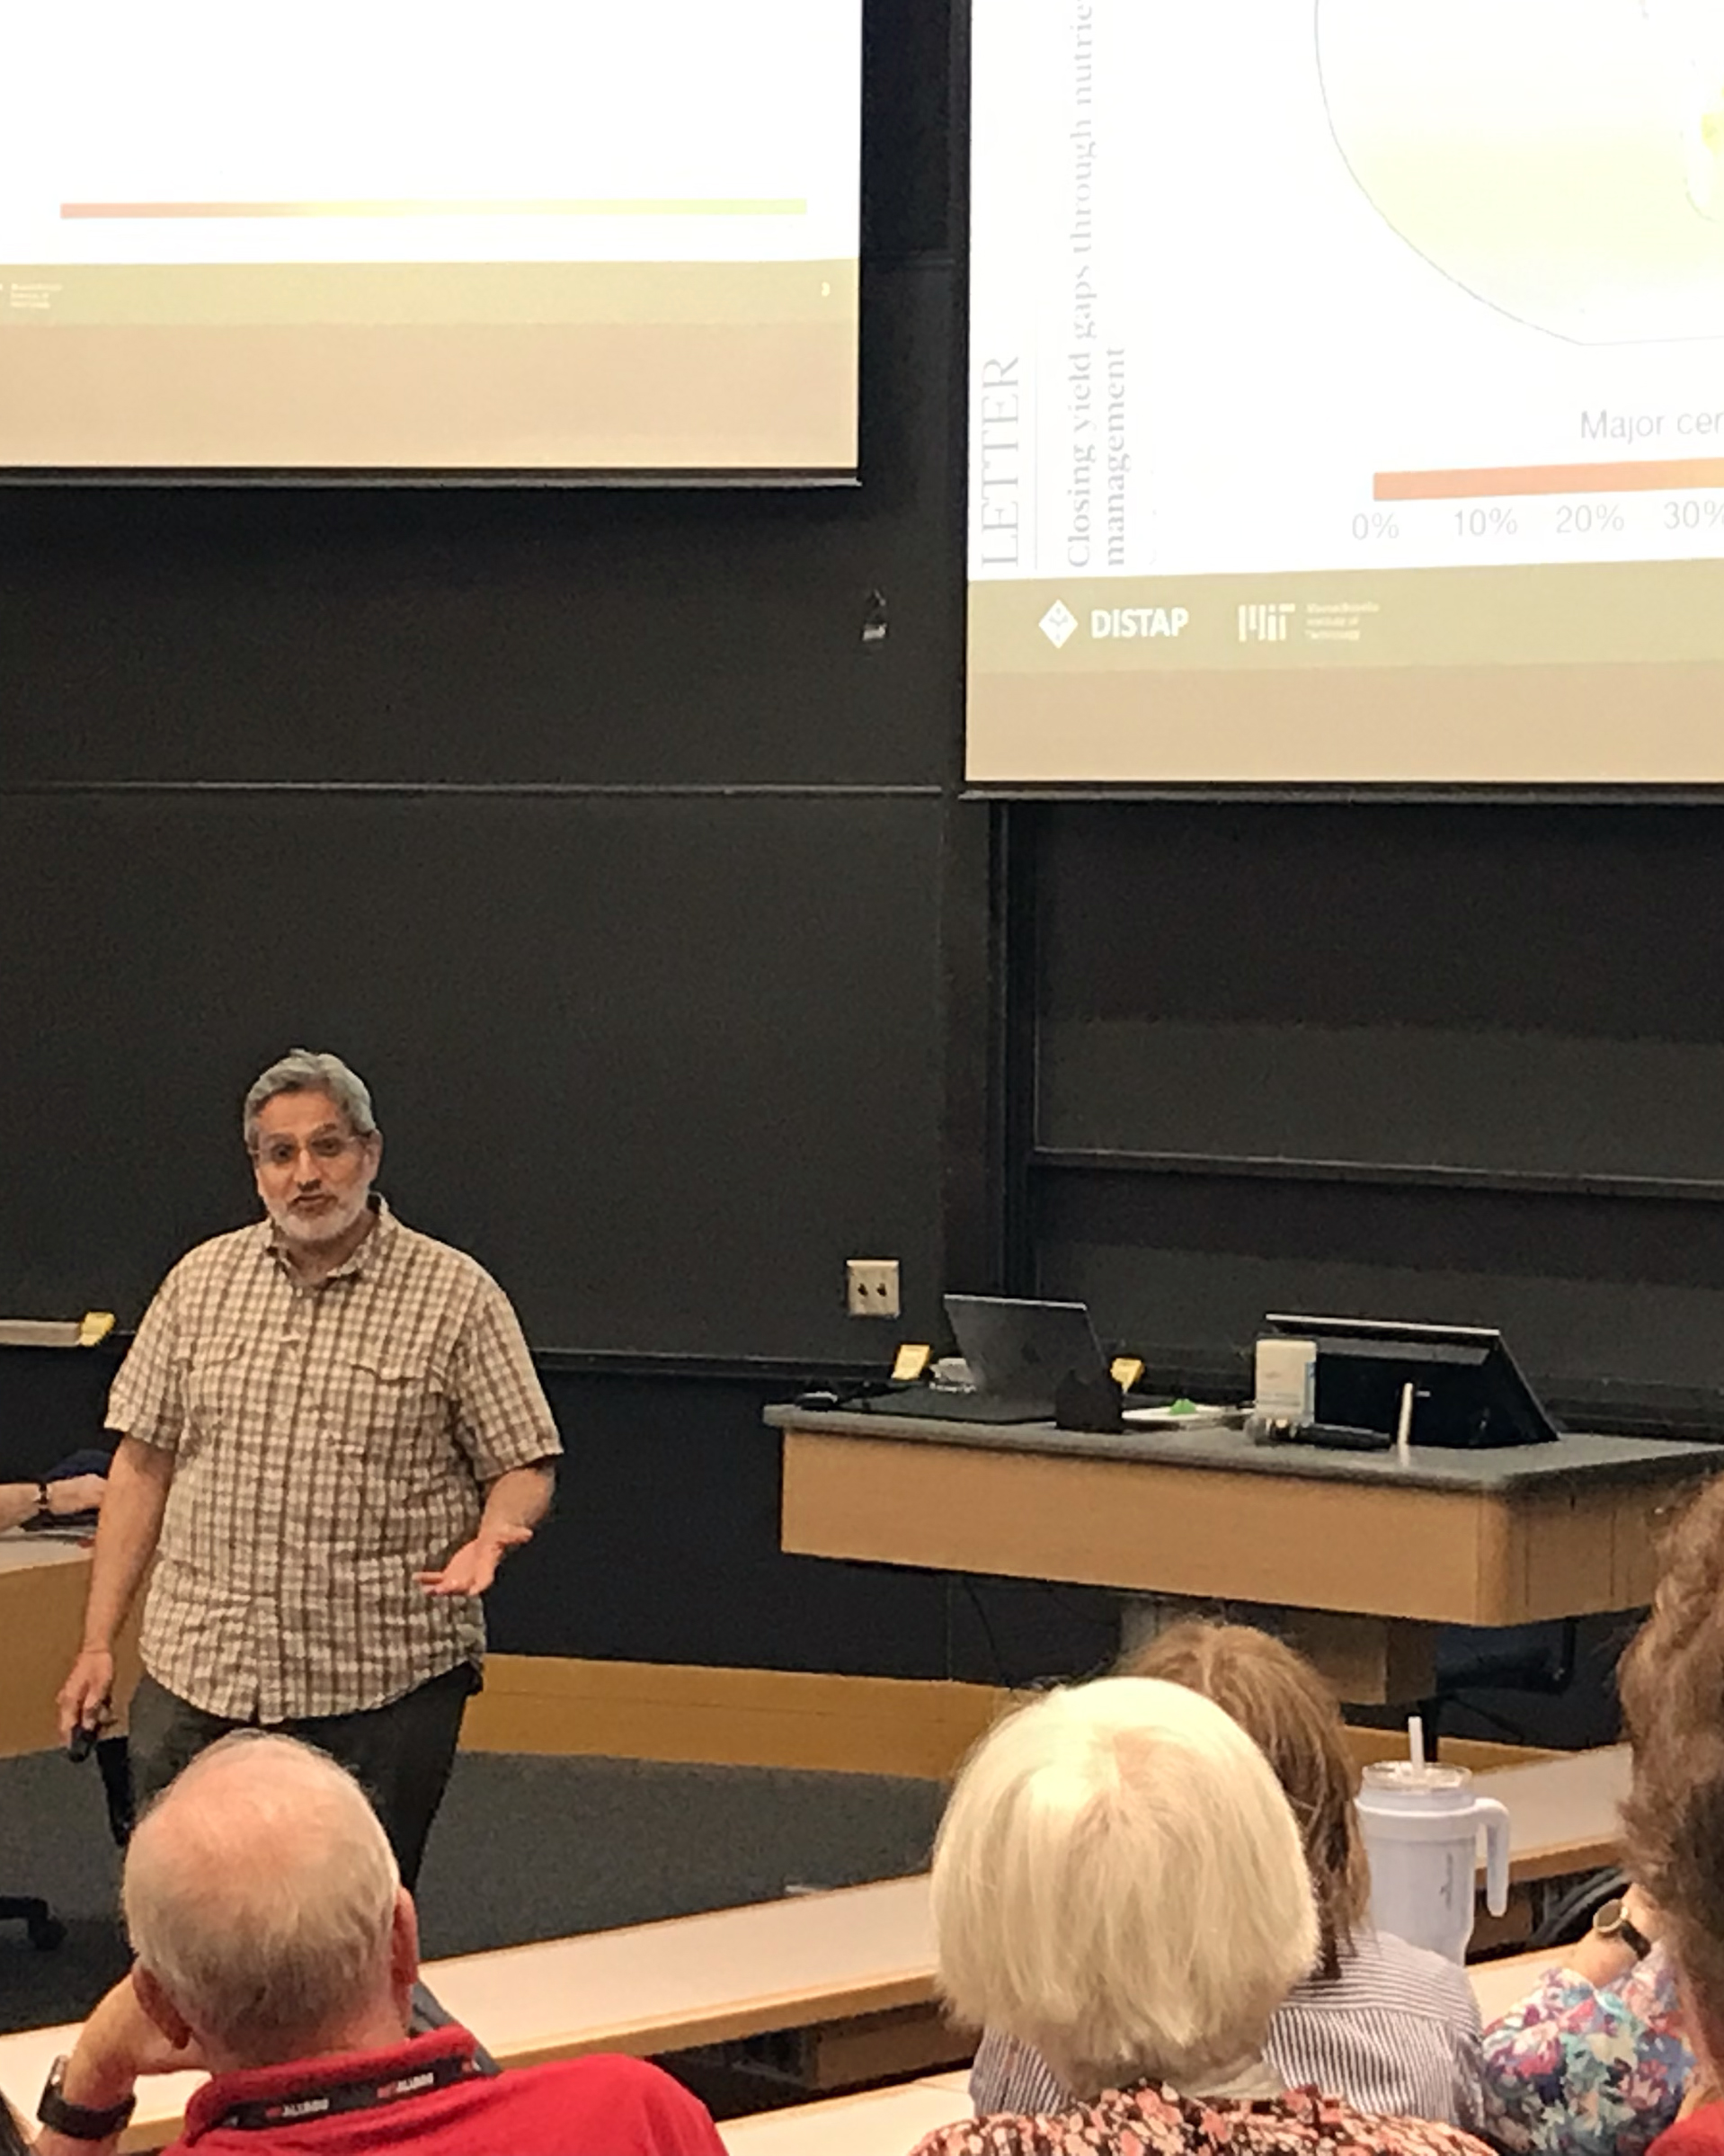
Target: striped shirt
[1395, 2033]
[329, 1442]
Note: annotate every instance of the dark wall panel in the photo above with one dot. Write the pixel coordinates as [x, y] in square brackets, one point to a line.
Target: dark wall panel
[907, 127]
[662, 1064]
[1436, 1061]
[1607, 1302]
[1507, 990]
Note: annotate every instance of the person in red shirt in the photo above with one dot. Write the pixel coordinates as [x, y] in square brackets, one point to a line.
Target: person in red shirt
[276, 1946]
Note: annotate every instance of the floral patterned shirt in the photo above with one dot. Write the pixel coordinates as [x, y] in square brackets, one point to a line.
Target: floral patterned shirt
[1586, 2072]
[1153, 2120]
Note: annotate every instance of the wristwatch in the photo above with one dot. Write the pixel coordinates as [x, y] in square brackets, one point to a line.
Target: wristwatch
[1612, 1923]
[44, 1503]
[78, 2121]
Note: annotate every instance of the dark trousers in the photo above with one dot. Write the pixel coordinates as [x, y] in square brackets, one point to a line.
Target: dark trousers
[401, 1753]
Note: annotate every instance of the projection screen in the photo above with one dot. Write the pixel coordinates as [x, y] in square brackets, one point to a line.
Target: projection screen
[1346, 392]
[400, 236]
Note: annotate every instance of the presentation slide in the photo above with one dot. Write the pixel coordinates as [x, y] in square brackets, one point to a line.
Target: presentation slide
[1346, 392]
[405, 236]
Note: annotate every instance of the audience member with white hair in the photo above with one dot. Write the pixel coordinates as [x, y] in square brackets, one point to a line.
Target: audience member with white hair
[1119, 1881]
[1389, 2026]
[276, 1946]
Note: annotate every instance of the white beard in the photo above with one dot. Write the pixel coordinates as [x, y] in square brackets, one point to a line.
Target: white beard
[310, 1231]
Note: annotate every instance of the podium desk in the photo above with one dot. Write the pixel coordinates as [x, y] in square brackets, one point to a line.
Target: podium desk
[1364, 1553]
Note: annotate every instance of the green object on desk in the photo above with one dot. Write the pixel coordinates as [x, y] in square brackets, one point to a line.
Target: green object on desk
[1182, 1406]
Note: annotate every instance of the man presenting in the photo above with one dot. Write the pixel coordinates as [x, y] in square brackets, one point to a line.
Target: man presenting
[331, 1433]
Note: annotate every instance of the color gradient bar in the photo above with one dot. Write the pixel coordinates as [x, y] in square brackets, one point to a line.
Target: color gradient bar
[1548, 479]
[669, 206]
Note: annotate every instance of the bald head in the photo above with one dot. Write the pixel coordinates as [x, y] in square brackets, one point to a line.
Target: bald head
[260, 1896]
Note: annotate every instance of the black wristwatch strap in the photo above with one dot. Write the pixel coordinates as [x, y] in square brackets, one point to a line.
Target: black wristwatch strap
[1612, 1922]
[77, 2121]
[44, 1507]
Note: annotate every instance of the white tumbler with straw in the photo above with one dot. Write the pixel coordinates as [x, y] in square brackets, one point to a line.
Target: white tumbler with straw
[1421, 1826]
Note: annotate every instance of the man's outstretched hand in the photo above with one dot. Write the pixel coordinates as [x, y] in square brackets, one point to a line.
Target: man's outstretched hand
[474, 1566]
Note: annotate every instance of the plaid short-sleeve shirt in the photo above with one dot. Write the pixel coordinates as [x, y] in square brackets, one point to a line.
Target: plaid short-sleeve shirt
[328, 1443]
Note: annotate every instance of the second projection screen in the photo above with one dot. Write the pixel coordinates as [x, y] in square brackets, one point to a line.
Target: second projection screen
[1346, 392]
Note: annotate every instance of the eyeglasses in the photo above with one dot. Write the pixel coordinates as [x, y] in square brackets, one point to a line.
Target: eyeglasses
[327, 1146]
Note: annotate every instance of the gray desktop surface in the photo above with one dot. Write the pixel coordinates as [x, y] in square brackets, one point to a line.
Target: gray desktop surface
[1579, 1458]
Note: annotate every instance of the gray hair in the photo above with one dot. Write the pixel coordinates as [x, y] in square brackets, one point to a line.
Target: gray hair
[260, 1893]
[311, 1071]
[1119, 1880]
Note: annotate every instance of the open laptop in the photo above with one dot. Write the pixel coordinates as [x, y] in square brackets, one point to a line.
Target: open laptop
[1018, 1353]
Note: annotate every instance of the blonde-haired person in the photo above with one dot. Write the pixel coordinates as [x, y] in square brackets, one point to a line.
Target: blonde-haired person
[1387, 2026]
[1119, 1881]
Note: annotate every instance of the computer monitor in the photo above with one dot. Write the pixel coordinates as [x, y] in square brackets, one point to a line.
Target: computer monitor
[1468, 1389]
[1024, 1351]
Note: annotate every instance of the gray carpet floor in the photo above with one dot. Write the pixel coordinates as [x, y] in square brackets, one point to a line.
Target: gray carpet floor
[523, 1849]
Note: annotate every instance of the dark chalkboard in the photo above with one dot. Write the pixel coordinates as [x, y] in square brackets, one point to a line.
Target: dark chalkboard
[1451, 1062]
[661, 1063]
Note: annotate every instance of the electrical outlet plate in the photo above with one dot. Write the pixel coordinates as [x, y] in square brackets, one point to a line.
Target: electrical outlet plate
[871, 1287]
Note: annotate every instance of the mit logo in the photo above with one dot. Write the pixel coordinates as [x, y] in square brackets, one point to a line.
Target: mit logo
[1266, 624]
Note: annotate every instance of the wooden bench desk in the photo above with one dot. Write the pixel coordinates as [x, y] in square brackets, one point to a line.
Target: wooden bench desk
[882, 2121]
[1562, 1813]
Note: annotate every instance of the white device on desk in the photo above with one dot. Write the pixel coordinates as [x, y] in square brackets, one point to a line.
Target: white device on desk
[1286, 1380]
[1284, 1411]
